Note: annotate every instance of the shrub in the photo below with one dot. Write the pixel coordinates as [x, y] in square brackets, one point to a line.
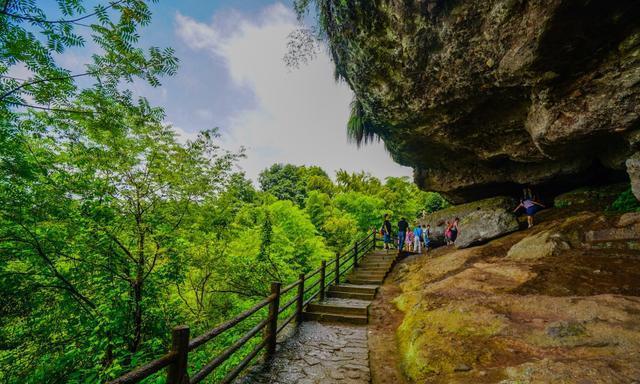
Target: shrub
[626, 202]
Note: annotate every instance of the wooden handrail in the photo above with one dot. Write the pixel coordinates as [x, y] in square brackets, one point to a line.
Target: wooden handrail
[177, 359]
[146, 370]
[221, 358]
[198, 341]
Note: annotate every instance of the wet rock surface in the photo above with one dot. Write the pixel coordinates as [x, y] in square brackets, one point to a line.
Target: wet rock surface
[317, 353]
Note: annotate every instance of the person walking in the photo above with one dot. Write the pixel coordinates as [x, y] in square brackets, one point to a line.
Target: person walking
[531, 207]
[403, 225]
[386, 232]
[426, 233]
[417, 239]
[454, 230]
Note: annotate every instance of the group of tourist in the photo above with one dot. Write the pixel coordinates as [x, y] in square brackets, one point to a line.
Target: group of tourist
[416, 239]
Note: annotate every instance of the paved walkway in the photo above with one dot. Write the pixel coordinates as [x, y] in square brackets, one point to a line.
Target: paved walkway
[318, 353]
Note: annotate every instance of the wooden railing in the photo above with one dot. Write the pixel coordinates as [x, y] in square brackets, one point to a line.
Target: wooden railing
[176, 360]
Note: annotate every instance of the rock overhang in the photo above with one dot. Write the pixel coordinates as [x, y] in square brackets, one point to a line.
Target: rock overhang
[482, 97]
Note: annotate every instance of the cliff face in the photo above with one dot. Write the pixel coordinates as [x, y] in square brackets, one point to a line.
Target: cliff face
[482, 96]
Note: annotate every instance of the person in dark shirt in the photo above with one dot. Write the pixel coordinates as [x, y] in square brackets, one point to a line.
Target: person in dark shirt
[386, 232]
[402, 232]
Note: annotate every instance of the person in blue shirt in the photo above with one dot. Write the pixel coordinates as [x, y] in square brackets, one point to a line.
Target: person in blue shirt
[417, 239]
[426, 233]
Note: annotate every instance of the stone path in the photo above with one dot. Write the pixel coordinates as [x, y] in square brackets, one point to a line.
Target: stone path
[318, 353]
[336, 349]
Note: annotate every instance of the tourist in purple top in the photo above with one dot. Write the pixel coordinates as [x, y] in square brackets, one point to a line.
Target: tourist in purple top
[531, 207]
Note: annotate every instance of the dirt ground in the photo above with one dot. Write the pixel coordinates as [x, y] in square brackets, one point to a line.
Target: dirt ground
[384, 320]
[541, 305]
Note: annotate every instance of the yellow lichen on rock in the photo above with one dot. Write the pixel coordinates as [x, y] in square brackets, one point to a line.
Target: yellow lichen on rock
[536, 306]
[443, 339]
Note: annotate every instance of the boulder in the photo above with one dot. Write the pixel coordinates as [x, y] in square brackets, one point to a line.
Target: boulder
[480, 221]
[590, 197]
[485, 224]
[538, 246]
[629, 219]
[633, 169]
[626, 234]
[482, 96]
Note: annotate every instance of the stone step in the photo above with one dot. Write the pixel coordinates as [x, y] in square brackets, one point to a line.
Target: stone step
[351, 288]
[351, 295]
[330, 317]
[381, 275]
[366, 277]
[354, 280]
[376, 261]
[365, 267]
[340, 306]
[379, 257]
[381, 266]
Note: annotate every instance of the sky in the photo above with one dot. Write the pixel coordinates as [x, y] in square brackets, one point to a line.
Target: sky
[232, 76]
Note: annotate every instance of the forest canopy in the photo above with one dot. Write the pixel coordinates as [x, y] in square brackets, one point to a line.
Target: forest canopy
[113, 229]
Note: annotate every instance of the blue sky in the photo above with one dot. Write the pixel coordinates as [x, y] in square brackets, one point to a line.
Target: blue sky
[232, 76]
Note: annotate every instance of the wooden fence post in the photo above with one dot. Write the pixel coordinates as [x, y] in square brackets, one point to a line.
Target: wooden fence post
[300, 301]
[177, 372]
[322, 272]
[337, 268]
[272, 327]
[374, 239]
[355, 255]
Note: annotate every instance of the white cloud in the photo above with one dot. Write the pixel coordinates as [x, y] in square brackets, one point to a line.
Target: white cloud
[182, 136]
[300, 115]
[204, 114]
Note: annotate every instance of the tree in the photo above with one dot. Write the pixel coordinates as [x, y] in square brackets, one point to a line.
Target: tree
[357, 182]
[31, 39]
[94, 228]
[284, 181]
[366, 210]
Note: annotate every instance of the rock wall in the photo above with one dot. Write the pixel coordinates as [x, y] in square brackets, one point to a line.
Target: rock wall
[633, 168]
[483, 96]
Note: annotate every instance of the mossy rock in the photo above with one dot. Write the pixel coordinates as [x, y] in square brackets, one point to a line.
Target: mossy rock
[600, 196]
[439, 341]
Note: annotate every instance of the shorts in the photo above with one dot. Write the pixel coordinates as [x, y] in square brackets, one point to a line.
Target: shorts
[532, 210]
[387, 238]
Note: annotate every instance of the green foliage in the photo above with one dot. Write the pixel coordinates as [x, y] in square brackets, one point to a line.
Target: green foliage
[366, 210]
[285, 182]
[626, 202]
[432, 201]
[360, 128]
[112, 231]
